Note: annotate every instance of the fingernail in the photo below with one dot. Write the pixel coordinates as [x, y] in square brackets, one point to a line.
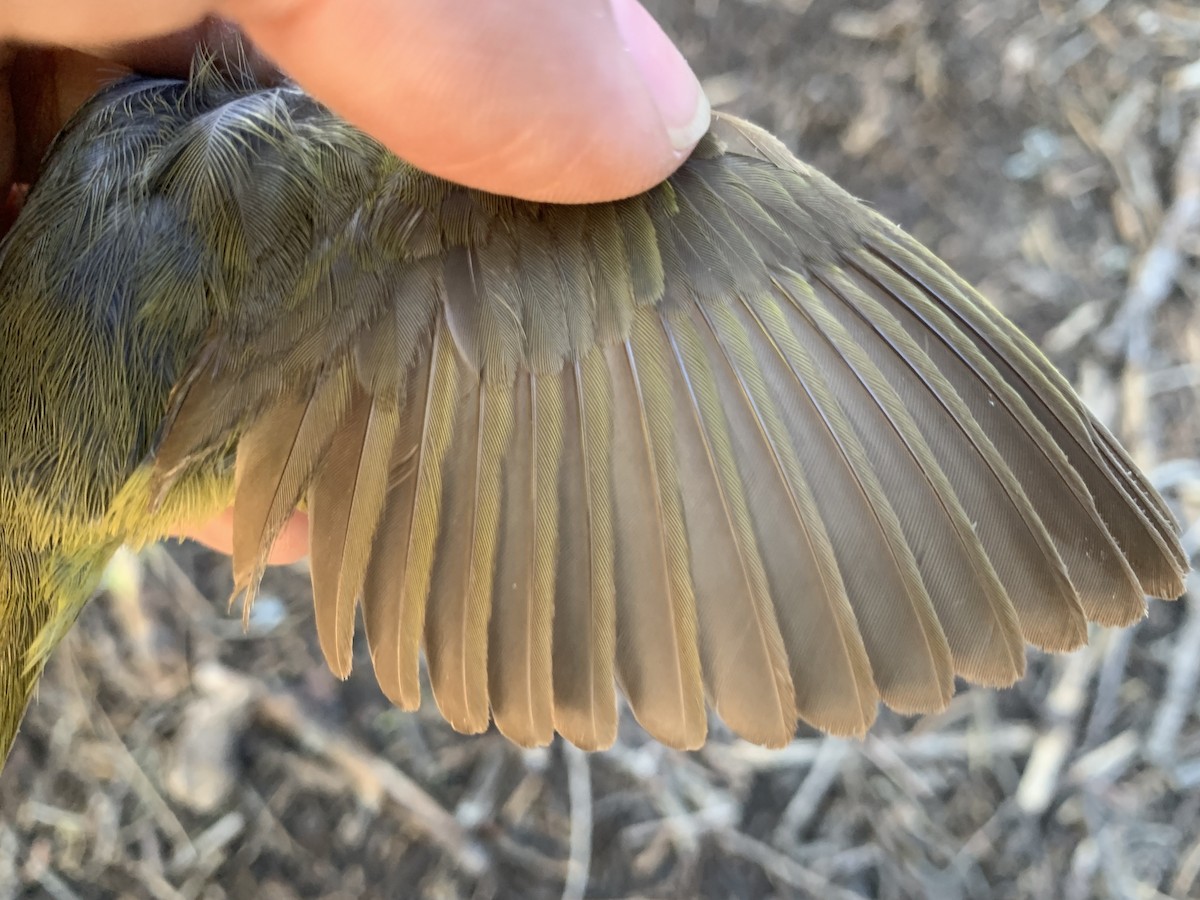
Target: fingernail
[677, 94]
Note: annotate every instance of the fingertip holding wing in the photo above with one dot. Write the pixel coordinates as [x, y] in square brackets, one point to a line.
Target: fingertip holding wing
[737, 440]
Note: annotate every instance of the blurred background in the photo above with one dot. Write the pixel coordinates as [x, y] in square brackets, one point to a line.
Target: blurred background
[1047, 149]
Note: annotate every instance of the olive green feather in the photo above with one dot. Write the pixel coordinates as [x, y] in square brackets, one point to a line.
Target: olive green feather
[735, 442]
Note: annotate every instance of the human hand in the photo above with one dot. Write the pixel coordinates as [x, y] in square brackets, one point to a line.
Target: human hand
[569, 102]
[545, 100]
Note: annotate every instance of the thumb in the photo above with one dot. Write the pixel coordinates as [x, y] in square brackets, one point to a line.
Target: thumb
[543, 99]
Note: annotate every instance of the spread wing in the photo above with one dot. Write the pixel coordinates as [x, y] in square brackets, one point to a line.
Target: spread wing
[736, 440]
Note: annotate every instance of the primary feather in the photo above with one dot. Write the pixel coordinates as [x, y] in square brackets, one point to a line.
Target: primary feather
[736, 440]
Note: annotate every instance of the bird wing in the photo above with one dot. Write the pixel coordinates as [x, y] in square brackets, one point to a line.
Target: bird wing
[737, 440]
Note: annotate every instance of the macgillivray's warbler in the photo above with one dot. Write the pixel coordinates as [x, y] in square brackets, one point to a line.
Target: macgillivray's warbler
[737, 439]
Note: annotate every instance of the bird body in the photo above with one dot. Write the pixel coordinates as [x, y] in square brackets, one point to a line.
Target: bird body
[736, 441]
